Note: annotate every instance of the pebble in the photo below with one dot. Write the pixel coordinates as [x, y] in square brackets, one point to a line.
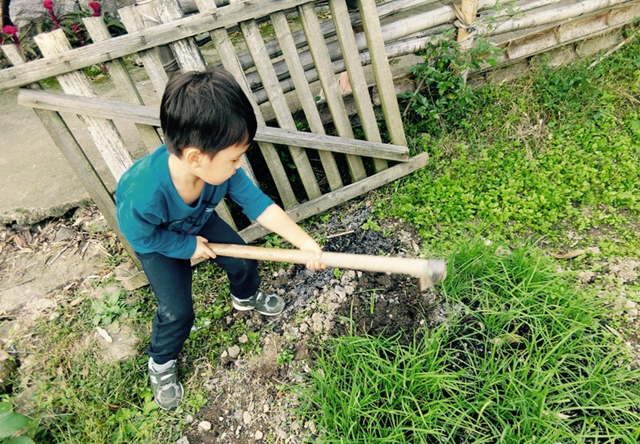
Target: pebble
[234, 351]
[205, 425]
[246, 417]
[258, 436]
[243, 339]
[183, 440]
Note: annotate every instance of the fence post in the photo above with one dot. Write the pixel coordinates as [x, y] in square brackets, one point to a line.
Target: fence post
[466, 19]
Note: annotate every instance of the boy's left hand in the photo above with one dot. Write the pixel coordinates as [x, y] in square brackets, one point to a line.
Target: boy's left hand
[313, 246]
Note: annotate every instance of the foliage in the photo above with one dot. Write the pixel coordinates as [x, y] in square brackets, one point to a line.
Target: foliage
[522, 358]
[13, 425]
[442, 97]
[555, 150]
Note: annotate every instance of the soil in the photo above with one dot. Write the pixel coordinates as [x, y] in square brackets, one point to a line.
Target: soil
[251, 396]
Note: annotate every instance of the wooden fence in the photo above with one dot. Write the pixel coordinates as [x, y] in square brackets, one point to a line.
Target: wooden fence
[307, 171]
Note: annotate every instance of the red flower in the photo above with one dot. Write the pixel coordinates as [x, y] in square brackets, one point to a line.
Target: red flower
[13, 32]
[48, 5]
[95, 6]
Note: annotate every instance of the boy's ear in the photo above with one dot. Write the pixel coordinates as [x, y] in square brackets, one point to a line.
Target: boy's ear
[192, 156]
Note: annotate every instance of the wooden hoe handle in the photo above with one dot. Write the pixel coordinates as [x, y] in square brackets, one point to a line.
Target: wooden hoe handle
[430, 271]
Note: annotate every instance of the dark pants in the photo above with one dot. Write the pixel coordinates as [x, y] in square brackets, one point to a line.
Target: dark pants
[170, 280]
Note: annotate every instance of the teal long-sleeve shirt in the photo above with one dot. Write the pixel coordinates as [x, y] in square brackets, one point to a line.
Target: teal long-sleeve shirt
[153, 217]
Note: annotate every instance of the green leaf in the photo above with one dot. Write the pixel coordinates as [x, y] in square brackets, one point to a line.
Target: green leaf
[5, 407]
[634, 125]
[11, 422]
[149, 407]
[20, 440]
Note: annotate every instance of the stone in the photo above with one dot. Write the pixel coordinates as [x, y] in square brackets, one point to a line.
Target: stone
[234, 351]
[205, 426]
[258, 436]
[64, 233]
[183, 440]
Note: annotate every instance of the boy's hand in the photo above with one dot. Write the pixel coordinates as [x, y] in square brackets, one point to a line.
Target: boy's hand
[311, 245]
[202, 250]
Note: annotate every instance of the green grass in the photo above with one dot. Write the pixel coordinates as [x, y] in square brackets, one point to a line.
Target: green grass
[526, 359]
[553, 151]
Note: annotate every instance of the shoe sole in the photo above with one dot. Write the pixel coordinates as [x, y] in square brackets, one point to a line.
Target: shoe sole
[243, 308]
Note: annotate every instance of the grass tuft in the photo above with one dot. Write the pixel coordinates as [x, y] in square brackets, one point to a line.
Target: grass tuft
[526, 359]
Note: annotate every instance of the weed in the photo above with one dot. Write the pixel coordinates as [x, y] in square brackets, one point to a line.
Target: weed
[285, 357]
[109, 309]
[442, 96]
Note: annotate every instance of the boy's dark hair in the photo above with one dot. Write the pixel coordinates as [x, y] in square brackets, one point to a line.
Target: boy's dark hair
[206, 110]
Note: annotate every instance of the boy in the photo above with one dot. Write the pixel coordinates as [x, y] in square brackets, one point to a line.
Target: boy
[165, 208]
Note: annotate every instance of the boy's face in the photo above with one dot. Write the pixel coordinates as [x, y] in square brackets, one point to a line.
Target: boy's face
[223, 165]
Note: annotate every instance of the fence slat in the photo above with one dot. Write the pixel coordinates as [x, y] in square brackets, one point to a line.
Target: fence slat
[151, 57]
[104, 133]
[230, 62]
[71, 150]
[332, 93]
[382, 71]
[143, 114]
[186, 50]
[279, 104]
[305, 95]
[357, 77]
[342, 195]
[123, 81]
[139, 41]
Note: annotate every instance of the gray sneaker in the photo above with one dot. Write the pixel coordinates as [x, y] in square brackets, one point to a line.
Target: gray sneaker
[264, 303]
[167, 390]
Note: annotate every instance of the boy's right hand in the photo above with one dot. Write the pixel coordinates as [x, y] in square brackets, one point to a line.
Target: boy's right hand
[202, 250]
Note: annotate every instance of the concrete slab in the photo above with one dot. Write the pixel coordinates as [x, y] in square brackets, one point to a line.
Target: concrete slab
[36, 180]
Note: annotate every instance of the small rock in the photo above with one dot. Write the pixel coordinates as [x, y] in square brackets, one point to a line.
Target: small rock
[246, 417]
[265, 408]
[205, 425]
[183, 440]
[243, 339]
[234, 351]
[63, 234]
[258, 435]
[188, 418]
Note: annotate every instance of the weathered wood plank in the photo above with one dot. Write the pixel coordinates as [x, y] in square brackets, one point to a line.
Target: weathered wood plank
[186, 50]
[357, 77]
[318, 48]
[123, 81]
[139, 41]
[103, 132]
[149, 116]
[71, 150]
[279, 104]
[133, 22]
[382, 71]
[342, 195]
[307, 101]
